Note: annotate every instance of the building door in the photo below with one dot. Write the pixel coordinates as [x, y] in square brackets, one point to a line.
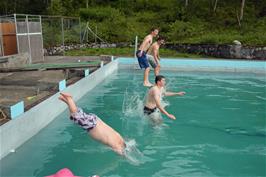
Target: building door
[9, 40]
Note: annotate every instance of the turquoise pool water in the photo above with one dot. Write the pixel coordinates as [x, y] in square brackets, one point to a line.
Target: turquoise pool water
[220, 130]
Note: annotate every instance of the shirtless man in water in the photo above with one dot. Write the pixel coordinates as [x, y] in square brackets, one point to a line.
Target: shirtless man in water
[97, 129]
[141, 55]
[153, 101]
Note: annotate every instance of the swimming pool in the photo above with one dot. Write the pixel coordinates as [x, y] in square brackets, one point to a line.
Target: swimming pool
[219, 131]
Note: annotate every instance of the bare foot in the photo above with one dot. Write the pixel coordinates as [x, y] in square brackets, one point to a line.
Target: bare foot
[67, 98]
[62, 98]
[66, 95]
[147, 84]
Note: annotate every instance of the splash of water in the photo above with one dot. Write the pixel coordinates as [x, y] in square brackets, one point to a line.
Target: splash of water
[155, 118]
[164, 103]
[131, 152]
[132, 104]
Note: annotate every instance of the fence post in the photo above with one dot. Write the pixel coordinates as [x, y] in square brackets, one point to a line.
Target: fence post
[63, 37]
[40, 17]
[28, 35]
[80, 32]
[136, 46]
[15, 18]
[95, 38]
[1, 41]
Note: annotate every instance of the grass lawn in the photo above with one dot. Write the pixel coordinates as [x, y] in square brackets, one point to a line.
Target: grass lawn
[127, 52]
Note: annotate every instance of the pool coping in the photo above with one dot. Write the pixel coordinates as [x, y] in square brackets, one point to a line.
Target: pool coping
[16, 132]
[210, 65]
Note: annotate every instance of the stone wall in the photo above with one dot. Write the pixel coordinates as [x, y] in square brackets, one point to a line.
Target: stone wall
[14, 60]
[58, 50]
[235, 51]
[222, 51]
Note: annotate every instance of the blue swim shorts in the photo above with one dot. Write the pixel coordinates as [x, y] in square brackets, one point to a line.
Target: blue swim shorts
[86, 121]
[142, 59]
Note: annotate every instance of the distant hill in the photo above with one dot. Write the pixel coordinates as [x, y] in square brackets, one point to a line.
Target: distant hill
[184, 21]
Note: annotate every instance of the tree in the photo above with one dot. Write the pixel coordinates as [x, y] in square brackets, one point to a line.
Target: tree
[55, 8]
[240, 17]
[215, 6]
[35, 7]
[242, 10]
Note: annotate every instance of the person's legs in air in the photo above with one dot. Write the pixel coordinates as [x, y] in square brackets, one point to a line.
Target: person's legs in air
[153, 64]
[143, 63]
[104, 133]
[146, 81]
[101, 132]
[157, 70]
[67, 98]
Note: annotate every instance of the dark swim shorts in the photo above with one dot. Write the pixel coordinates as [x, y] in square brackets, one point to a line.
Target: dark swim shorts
[142, 59]
[149, 111]
[86, 121]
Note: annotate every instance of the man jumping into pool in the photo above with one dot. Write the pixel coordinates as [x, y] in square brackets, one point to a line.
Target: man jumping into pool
[153, 101]
[141, 55]
[97, 129]
[153, 55]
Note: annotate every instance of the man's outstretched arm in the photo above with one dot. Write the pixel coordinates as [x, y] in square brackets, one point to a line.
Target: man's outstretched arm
[158, 105]
[174, 93]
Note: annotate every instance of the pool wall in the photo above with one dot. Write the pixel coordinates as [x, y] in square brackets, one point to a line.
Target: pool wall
[258, 67]
[17, 131]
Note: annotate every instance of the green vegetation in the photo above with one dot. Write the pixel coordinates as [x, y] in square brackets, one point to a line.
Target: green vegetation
[101, 51]
[126, 52]
[197, 21]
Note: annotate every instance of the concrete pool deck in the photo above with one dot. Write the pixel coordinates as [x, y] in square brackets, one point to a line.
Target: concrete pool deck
[15, 132]
[34, 86]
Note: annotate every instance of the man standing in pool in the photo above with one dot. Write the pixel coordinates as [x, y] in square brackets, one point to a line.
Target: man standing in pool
[153, 101]
[153, 55]
[141, 55]
[97, 129]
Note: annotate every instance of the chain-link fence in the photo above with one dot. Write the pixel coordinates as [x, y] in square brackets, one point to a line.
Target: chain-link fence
[21, 33]
[61, 31]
